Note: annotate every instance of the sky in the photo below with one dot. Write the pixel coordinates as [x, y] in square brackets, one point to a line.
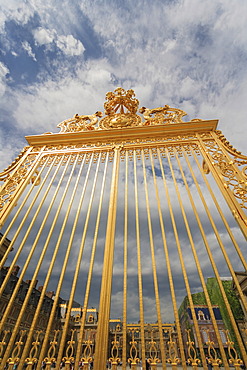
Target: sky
[61, 57]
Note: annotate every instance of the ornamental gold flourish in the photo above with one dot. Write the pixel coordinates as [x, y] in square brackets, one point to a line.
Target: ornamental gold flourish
[133, 359]
[173, 359]
[3, 343]
[121, 99]
[12, 166]
[213, 359]
[104, 145]
[69, 354]
[114, 359]
[121, 111]
[87, 353]
[238, 158]
[192, 360]
[50, 359]
[233, 356]
[15, 356]
[32, 359]
[80, 123]
[233, 182]
[12, 180]
[226, 143]
[153, 358]
[161, 115]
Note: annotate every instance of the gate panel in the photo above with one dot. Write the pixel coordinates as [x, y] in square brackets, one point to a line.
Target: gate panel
[128, 227]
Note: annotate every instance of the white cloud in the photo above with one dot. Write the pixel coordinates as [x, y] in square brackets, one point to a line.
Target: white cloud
[27, 47]
[3, 70]
[19, 11]
[10, 146]
[67, 44]
[3, 73]
[44, 36]
[62, 98]
[184, 54]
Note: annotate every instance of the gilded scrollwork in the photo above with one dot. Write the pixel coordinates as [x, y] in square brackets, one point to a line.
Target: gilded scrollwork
[213, 358]
[32, 359]
[238, 158]
[161, 115]
[193, 360]
[93, 145]
[226, 143]
[206, 135]
[69, 354]
[120, 112]
[115, 359]
[12, 180]
[133, 359]
[37, 148]
[80, 123]
[120, 99]
[153, 359]
[120, 120]
[3, 343]
[173, 355]
[12, 166]
[51, 359]
[15, 356]
[235, 181]
[232, 353]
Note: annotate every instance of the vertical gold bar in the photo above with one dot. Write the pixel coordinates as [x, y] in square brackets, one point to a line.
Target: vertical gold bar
[20, 209]
[61, 278]
[78, 265]
[183, 268]
[155, 278]
[35, 274]
[54, 256]
[125, 277]
[21, 186]
[169, 270]
[213, 264]
[106, 285]
[239, 176]
[228, 195]
[23, 271]
[90, 272]
[16, 164]
[228, 262]
[233, 322]
[198, 264]
[139, 266]
[240, 254]
[23, 221]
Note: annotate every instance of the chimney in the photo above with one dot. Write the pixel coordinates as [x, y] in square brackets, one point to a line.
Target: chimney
[15, 270]
[50, 294]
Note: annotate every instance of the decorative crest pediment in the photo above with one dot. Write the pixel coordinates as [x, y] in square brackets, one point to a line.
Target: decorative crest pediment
[121, 108]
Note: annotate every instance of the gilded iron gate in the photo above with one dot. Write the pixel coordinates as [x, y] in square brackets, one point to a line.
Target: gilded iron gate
[122, 220]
